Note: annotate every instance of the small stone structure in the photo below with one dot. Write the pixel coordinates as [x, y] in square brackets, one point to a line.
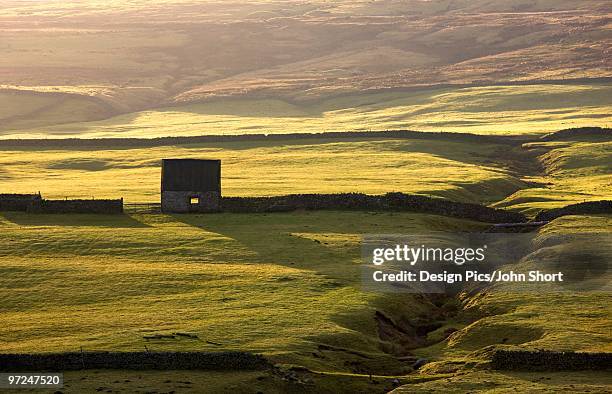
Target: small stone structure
[190, 185]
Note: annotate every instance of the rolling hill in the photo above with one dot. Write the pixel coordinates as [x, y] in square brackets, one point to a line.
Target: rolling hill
[288, 285]
[89, 61]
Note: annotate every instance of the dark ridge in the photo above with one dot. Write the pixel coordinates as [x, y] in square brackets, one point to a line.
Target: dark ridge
[583, 208]
[364, 202]
[525, 360]
[579, 132]
[166, 141]
[212, 361]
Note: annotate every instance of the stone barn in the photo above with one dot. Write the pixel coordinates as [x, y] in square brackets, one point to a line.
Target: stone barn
[190, 185]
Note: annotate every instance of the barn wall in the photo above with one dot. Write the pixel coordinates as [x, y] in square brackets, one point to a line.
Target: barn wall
[184, 179]
[180, 201]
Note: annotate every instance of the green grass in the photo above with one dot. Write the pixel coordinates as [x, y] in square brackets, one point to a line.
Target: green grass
[515, 315]
[283, 284]
[512, 382]
[280, 284]
[485, 110]
[472, 172]
[538, 319]
[245, 282]
[573, 172]
[224, 382]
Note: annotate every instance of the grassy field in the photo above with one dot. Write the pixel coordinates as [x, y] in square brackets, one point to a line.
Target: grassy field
[241, 281]
[274, 168]
[551, 320]
[527, 382]
[539, 175]
[188, 67]
[288, 285]
[238, 281]
[483, 110]
[574, 171]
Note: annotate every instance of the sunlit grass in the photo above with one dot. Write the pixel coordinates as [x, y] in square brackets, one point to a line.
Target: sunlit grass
[280, 284]
[575, 171]
[485, 110]
[457, 170]
[277, 284]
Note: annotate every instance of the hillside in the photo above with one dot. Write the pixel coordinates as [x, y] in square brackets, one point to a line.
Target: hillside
[495, 110]
[288, 285]
[339, 125]
[74, 63]
[474, 172]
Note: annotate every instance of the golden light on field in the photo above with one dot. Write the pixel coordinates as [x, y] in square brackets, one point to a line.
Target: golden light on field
[487, 80]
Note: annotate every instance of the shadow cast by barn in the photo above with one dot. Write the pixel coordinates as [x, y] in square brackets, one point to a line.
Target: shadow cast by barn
[73, 220]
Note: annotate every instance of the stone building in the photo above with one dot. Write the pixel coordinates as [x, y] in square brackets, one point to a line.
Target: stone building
[190, 185]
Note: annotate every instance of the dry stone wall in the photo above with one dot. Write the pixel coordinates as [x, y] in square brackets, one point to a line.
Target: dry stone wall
[364, 202]
[524, 360]
[133, 361]
[18, 202]
[583, 208]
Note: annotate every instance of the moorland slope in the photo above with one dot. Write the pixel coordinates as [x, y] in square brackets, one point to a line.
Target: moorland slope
[66, 63]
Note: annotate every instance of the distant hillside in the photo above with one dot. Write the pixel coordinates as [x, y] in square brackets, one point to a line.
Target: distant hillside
[494, 110]
[138, 55]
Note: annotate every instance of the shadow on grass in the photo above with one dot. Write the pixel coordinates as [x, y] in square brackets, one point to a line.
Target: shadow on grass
[277, 238]
[274, 238]
[271, 237]
[73, 220]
